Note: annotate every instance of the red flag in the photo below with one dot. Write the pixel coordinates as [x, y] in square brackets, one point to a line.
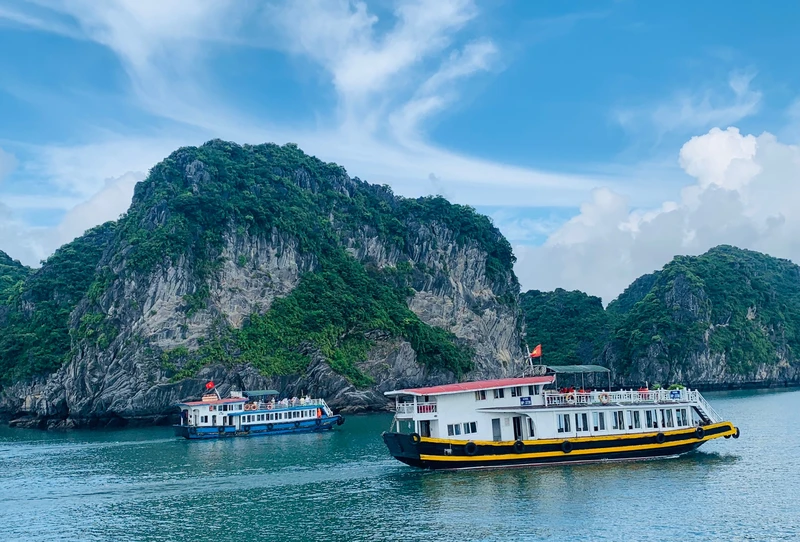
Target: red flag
[537, 352]
[209, 384]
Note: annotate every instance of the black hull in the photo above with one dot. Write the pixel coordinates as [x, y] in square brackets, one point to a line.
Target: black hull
[430, 453]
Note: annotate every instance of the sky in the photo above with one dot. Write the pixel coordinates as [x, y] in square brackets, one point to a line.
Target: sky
[602, 137]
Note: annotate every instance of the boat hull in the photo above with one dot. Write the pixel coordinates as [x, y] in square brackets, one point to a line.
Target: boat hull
[259, 430]
[430, 453]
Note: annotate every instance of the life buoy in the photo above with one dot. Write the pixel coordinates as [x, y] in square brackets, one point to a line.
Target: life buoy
[470, 448]
[519, 446]
[700, 433]
[319, 422]
[660, 438]
[269, 406]
[571, 398]
[210, 407]
[221, 429]
[736, 434]
[604, 398]
[296, 425]
[269, 427]
[415, 438]
[340, 421]
[566, 446]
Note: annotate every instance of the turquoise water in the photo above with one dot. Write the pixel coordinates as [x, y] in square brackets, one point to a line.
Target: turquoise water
[144, 484]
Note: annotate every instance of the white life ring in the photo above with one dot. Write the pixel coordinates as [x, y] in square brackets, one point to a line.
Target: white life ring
[604, 398]
[571, 398]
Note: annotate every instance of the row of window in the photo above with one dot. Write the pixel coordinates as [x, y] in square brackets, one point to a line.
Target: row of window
[455, 428]
[499, 393]
[226, 408]
[278, 416]
[654, 418]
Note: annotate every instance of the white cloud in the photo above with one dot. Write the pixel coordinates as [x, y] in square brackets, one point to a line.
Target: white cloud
[697, 110]
[32, 244]
[391, 76]
[746, 194]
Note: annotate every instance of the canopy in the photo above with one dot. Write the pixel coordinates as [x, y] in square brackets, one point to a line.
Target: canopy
[575, 369]
[259, 393]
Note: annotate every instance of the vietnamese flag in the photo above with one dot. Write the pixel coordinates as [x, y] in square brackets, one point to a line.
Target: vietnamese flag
[209, 384]
[537, 352]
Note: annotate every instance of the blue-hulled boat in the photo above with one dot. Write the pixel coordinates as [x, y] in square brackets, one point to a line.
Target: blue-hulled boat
[253, 413]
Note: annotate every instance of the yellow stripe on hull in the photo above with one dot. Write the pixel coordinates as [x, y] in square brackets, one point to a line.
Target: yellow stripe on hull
[590, 451]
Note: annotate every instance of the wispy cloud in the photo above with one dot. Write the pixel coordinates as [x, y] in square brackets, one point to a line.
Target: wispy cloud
[692, 110]
[7, 163]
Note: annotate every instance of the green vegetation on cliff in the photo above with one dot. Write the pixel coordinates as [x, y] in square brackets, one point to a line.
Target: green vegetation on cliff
[184, 211]
[35, 337]
[739, 303]
[572, 327]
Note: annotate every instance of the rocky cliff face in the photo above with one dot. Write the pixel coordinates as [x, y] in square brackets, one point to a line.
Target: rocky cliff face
[728, 318]
[137, 315]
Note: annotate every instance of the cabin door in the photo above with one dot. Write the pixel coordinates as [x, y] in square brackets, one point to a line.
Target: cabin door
[425, 428]
[196, 414]
[517, 427]
[496, 433]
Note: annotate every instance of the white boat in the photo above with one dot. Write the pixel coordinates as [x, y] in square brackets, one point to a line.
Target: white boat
[521, 421]
[253, 413]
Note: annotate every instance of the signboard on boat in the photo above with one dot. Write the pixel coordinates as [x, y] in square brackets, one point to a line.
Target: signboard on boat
[674, 394]
[524, 401]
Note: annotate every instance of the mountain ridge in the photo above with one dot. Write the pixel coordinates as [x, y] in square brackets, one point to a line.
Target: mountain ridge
[261, 266]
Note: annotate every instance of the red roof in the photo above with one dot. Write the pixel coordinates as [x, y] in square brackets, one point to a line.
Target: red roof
[217, 401]
[474, 386]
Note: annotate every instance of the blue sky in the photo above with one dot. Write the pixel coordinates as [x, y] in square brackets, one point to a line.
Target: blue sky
[570, 124]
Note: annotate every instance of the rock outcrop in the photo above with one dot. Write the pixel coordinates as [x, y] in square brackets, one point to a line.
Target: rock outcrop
[729, 318]
[138, 313]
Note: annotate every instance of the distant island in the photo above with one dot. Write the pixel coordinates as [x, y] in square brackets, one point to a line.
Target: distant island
[261, 267]
[728, 318]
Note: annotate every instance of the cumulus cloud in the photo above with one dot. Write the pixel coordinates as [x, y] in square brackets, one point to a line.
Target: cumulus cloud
[745, 193]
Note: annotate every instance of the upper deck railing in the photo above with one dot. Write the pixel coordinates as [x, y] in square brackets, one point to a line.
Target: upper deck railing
[554, 398]
[421, 408]
[288, 404]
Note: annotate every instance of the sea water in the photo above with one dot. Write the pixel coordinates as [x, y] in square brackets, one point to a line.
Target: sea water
[146, 485]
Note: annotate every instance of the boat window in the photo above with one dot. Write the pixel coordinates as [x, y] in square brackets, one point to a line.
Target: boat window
[599, 419]
[581, 421]
[499, 393]
[516, 391]
[681, 418]
[530, 426]
[669, 418]
[618, 421]
[240, 407]
[470, 427]
[480, 395]
[637, 422]
[454, 429]
[563, 423]
[533, 390]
